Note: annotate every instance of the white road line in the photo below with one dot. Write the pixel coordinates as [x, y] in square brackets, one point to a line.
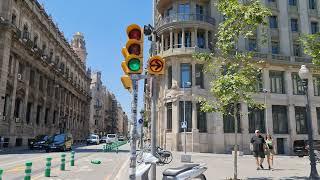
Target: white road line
[122, 169]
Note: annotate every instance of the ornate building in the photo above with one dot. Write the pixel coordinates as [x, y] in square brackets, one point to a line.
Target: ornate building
[186, 27]
[44, 85]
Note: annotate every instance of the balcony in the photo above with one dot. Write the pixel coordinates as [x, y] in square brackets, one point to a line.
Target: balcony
[272, 5]
[184, 18]
[281, 58]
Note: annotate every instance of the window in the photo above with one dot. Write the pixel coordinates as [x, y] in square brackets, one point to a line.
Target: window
[316, 85]
[275, 47]
[292, 2]
[312, 4]
[14, 19]
[46, 116]
[276, 82]
[179, 39]
[21, 71]
[169, 12]
[38, 114]
[273, 22]
[202, 119]
[187, 39]
[35, 41]
[296, 50]
[297, 84]
[55, 115]
[294, 25]
[256, 120]
[188, 114]
[199, 12]
[169, 77]
[169, 116]
[25, 32]
[280, 120]
[301, 120]
[199, 75]
[318, 119]
[228, 120]
[28, 115]
[259, 85]
[252, 45]
[314, 27]
[184, 11]
[185, 75]
[201, 40]
[17, 107]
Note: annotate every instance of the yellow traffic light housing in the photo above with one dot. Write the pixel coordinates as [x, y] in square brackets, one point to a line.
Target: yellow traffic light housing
[133, 51]
[125, 67]
[126, 82]
[156, 65]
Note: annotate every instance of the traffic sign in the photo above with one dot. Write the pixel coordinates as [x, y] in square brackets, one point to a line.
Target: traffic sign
[184, 124]
[140, 121]
[156, 65]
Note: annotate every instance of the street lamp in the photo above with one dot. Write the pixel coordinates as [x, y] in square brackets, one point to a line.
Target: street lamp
[304, 74]
[265, 91]
[141, 130]
[188, 84]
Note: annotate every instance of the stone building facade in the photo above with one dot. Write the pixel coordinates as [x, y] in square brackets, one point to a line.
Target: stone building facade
[44, 85]
[186, 27]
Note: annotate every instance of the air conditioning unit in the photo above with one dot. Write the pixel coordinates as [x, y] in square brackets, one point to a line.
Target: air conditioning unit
[4, 118]
[17, 120]
[19, 77]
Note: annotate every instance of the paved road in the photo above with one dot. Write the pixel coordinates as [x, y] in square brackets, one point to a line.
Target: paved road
[111, 162]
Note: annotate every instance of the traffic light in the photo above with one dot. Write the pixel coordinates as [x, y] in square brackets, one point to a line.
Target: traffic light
[127, 82]
[156, 65]
[133, 51]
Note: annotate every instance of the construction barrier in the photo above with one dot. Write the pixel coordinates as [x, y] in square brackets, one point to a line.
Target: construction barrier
[63, 162]
[47, 171]
[28, 171]
[115, 145]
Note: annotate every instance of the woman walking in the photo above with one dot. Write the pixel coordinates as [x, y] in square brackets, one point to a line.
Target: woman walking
[269, 150]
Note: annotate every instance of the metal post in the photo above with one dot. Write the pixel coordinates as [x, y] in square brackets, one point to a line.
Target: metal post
[184, 121]
[265, 91]
[153, 125]
[133, 148]
[313, 172]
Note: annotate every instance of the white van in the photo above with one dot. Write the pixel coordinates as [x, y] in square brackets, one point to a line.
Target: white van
[111, 138]
[93, 139]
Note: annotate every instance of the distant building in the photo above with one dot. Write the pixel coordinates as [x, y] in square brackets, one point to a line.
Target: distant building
[44, 85]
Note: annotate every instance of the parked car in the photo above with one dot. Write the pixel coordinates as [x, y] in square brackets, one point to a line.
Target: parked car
[93, 139]
[301, 147]
[111, 138]
[59, 142]
[121, 138]
[103, 139]
[38, 142]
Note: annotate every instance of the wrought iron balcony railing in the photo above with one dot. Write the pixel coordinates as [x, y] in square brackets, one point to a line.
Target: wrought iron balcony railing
[185, 17]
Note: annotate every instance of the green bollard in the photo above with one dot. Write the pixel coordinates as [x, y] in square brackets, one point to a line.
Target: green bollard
[104, 148]
[28, 171]
[63, 162]
[95, 162]
[47, 171]
[72, 159]
[1, 172]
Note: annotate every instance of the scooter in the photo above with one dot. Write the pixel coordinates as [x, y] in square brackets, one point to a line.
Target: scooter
[185, 172]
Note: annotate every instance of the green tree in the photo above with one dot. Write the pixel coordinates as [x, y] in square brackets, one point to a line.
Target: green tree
[311, 44]
[234, 72]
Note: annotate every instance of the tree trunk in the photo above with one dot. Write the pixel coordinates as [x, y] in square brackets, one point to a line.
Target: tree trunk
[235, 162]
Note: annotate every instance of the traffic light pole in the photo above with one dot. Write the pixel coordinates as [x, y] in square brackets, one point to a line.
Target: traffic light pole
[133, 133]
[153, 124]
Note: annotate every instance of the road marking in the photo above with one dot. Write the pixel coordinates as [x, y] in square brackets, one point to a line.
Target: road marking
[122, 169]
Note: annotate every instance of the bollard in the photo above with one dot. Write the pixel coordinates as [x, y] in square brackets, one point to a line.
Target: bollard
[1, 172]
[28, 171]
[95, 162]
[47, 171]
[63, 162]
[72, 159]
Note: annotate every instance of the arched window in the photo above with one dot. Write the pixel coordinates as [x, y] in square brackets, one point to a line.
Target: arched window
[35, 41]
[14, 18]
[25, 32]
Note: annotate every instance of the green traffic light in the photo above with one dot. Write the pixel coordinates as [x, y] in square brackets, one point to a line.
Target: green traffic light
[134, 64]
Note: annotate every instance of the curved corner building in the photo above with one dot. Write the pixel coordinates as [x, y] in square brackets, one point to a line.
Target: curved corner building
[187, 27]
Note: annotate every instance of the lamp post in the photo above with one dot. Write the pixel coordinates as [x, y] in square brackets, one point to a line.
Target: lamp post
[304, 74]
[265, 91]
[185, 158]
[141, 130]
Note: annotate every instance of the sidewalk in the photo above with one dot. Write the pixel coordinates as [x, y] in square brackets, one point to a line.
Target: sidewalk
[220, 166]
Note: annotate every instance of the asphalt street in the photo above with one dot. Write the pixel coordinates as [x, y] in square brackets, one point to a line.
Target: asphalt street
[13, 163]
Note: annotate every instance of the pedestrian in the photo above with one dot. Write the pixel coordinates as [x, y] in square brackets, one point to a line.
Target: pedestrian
[269, 150]
[257, 145]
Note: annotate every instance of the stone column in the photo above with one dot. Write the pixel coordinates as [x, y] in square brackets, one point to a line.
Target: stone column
[12, 123]
[245, 140]
[175, 41]
[183, 39]
[206, 39]
[175, 126]
[266, 78]
[288, 81]
[292, 125]
[283, 24]
[171, 39]
[195, 33]
[195, 130]
[44, 126]
[193, 77]
[162, 43]
[304, 16]
[27, 82]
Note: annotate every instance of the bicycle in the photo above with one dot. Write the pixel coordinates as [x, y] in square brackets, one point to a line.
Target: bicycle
[164, 156]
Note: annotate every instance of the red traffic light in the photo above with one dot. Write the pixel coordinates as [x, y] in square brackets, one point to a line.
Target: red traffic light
[135, 34]
[134, 49]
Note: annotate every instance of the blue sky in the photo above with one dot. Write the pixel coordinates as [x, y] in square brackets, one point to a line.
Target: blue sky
[103, 23]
